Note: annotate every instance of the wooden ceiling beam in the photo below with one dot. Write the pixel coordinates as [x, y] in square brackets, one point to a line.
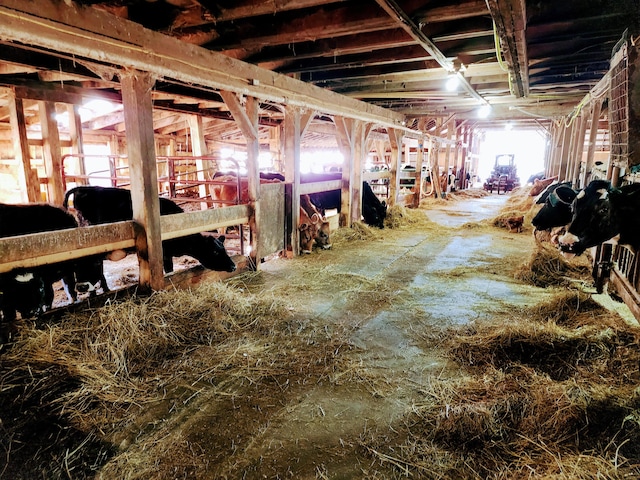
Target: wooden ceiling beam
[448, 13]
[510, 20]
[317, 25]
[54, 26]
[395, 12]
[244, 9]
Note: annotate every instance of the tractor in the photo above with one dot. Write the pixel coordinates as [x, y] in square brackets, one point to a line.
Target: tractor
[504, 176]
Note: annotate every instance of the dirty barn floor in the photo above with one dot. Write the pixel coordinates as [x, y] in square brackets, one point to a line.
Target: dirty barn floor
[382, 296]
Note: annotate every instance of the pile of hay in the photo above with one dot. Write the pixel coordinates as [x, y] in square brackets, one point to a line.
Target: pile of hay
[550, 392]
[547, 267]
[468, 193]
[399, 216]
[357, 231]
[72, 392]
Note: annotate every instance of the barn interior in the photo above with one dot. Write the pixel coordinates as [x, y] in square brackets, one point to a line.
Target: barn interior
[159, 96]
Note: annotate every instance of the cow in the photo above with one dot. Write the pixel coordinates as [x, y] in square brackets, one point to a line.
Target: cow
[29, 291]
[374, 211]
[226, 192]
[540, 184]
[323, 232]
[601, 213]
[308, 229]
[556, 208]
[97, 205]
[551, 220]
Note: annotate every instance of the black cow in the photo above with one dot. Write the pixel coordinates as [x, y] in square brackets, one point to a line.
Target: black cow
[374, 211]
[556, 211]
[96, 205]
[601, 213]
[30, 290]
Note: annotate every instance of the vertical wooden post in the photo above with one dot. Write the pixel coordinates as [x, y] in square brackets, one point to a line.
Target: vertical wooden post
[199, 149]
[253, 171]
[591, 149]
[417, 195]
[247, 120]
[564, 152]
[292, 139]
[27, 177]
[77, 142]
[344, 129]
[359, 137]
[579, 149]
[138, 119]
[395, 138]
[51, 151]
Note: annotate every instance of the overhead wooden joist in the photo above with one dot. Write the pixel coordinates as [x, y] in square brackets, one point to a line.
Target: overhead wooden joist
[510, 20]
[394, 10]
[96, 36]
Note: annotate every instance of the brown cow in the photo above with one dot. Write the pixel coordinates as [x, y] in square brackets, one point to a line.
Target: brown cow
[308, 231]
[323, 230]
[540, 185]
[226, 192]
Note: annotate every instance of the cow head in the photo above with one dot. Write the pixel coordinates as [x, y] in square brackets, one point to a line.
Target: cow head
[24, 292]
[375, 214]
[593, 221]
[322, 235]
[556, 211]
[213, 254]
[307, 236]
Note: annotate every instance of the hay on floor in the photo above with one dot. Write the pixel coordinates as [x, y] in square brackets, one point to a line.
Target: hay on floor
[547, 267]
[548, 392]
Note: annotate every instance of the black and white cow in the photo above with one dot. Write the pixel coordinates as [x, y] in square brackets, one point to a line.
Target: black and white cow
[374, 211]
[601, 213]
[556, 208]
[29, 291]
[97, 205]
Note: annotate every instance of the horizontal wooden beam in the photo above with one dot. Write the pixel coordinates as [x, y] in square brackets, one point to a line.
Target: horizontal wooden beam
[97, 36]
[28, 251]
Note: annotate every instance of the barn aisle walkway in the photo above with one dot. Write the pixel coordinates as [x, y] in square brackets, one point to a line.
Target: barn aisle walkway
[430, 278]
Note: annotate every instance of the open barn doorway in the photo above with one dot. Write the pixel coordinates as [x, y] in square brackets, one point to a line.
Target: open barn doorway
[527, 146]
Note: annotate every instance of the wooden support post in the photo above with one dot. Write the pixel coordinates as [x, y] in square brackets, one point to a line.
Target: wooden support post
[204, 168]
[77, 142]
[447, 152]
[579, 150]
[359, 136]
[292, 139]
[345, 133]
[138, 118]
[417, 186]
[247, 121]
[395, 138]
[51, 152]
[27, 176]
[434, 149]
[564, 152]
[591, 149]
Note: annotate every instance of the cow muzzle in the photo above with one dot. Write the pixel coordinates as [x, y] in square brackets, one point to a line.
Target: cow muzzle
[84, 287]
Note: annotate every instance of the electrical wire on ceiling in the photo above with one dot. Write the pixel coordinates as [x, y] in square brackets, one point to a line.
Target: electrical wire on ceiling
[496, 41]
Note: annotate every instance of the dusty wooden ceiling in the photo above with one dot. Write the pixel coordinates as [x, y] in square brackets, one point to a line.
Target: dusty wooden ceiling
[397, 54]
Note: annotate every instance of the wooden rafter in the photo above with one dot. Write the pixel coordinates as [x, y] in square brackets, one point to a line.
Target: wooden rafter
[510, 20]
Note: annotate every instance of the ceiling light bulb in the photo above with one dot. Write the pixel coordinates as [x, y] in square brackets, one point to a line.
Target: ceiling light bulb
[484, 111]
[452, 83]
